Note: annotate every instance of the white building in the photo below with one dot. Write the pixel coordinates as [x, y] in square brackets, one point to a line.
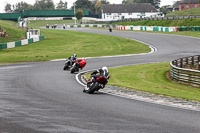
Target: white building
[124, 11]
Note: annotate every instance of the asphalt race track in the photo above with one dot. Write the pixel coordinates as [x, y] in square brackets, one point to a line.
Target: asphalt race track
[41, 97]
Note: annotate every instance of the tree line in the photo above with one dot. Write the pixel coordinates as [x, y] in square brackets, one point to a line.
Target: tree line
[94, 6]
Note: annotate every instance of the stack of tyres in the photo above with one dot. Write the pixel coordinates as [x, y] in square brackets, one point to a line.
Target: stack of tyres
[198, 28]
[193, 28]
[181, 29]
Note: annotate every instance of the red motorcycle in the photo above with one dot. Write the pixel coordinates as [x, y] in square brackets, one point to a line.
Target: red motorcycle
[78, 64]
[95, 83]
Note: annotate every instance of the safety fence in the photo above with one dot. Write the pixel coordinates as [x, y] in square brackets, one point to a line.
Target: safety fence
[119, 27]
[81, 26]
[148, 28]
[187, 70]
[21, 42]
[136, 28]
[160, 28]
[188, 28]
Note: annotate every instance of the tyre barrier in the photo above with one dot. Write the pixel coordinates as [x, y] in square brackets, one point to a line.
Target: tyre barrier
[147, 28]
[159, 28]
[83, 26]
[186, 70]
[140, 28]
[21, 42]
[188, 28]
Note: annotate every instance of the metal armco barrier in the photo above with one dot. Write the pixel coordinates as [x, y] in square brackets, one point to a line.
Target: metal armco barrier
[186, 70]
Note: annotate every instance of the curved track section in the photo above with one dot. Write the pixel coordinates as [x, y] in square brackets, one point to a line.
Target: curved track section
[41, 97]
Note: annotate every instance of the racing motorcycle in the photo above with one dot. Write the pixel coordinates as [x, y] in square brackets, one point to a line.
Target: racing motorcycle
[68, 64]
[95, 83]
[78, 64]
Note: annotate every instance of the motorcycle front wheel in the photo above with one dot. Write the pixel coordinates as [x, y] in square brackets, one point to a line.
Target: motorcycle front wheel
[93, 87]
[73, 69]
[66, 67]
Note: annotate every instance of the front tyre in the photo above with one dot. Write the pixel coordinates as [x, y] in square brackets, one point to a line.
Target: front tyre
[93, 87]
[73, 69]
[66, 67]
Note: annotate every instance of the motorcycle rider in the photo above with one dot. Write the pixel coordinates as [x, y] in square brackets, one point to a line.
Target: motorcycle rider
[72, 59]
[100, 72]
[110, 28]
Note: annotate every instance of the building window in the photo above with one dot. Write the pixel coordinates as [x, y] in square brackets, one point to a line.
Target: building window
[108, 13]
[120, 14]
[187, 6]
[129, 13]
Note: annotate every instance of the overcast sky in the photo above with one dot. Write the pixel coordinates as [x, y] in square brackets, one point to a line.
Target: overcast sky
[70, 2]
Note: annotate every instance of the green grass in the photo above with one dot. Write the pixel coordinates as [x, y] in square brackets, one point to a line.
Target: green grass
[39, 23]
[59, 44]
[7, 63]
[167, 23]
[151, 78]
[186, 33]
[189, 12]
[14, 32]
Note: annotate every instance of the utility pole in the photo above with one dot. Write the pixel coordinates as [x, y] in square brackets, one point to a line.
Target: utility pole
[75, 12]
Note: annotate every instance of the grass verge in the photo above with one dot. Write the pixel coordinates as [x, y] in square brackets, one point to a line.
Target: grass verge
[151, 78]
[188, 12]
[14, 32]
[60, 44]
[37, 24]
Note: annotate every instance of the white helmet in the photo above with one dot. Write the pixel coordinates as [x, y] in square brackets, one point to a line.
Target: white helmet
[105, 68]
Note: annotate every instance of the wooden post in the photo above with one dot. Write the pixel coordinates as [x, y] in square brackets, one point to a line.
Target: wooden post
[199, 62]
[192, 60]
[181, 66]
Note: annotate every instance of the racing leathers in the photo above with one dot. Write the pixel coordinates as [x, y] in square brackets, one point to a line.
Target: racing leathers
[101, 72]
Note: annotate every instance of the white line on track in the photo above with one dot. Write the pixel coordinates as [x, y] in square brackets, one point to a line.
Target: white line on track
[153, 49]
[12, 67]
[137, 98]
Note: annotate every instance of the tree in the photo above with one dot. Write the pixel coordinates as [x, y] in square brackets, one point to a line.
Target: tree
[155, 3]
[61, 5]
[127, 1]
[21, 6]
[44, 5]
[8, 8]
[164, 9]
[18, 7]
[84, 4]
[98, 5]
[79, 14]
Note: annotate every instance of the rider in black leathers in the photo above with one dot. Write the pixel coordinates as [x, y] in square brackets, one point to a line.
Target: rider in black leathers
[72, 59]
